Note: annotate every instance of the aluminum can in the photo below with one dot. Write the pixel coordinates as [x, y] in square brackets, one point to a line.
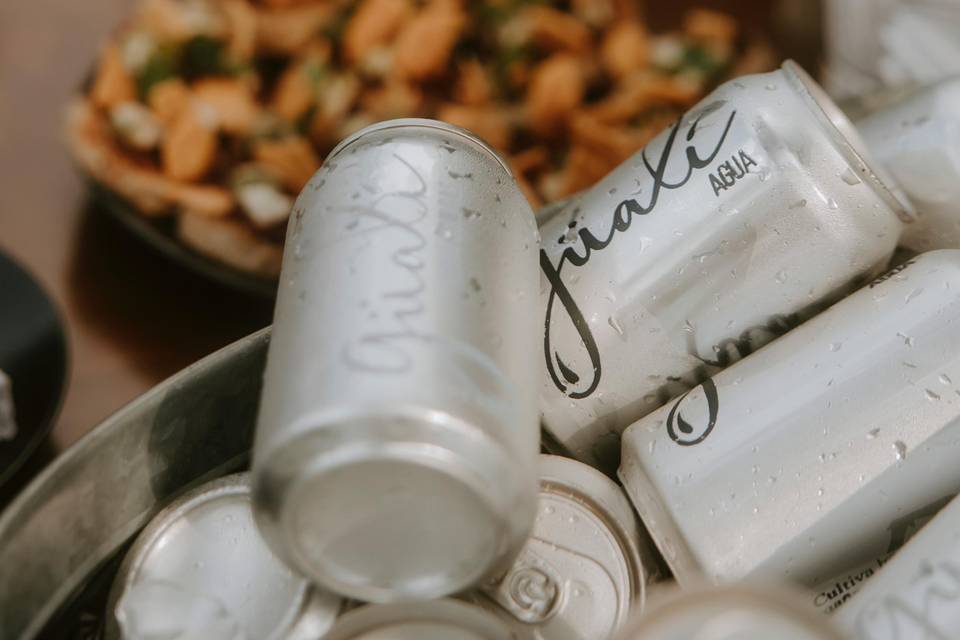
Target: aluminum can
[752, 212]
[834, 593]
[586, 564]
[918, 141]
[201, 569]
[397, 440]
[917, 593]
[793, 463]
[435, 620]
[754, 612]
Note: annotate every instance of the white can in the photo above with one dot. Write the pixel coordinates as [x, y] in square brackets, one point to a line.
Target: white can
[917, 593]
[751, 213]
[794, 462]
[751, 612]
[918, 141]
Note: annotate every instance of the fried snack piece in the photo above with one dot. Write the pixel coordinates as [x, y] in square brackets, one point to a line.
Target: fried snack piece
[641, 90]
[113, 84]
[491, 123]
[553, 29]
[292, 160]
[232, 242]
[625, 49]
[426, 42]
[189, 146]
[168, 99]
[176, 21]
[287, 31]
[92, 144]
[393, 99]
[373, 23]
[231, 100]
[474, 86]
[241, 20]
[556, 89]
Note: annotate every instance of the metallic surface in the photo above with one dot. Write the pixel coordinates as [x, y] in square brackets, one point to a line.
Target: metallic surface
[400, 386]
[794, 463]
[754, 211]
[81, 510]
[918, 141]
[732, 613]
[201, 561]
[580, 574]
[435, 620]
[917, 593]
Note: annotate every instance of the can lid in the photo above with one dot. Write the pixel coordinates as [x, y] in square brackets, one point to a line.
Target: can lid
[580, 573]
[435, 620]
[848, 141]
[400, 504]
[201, 567]
[729, 613]
[434, 126]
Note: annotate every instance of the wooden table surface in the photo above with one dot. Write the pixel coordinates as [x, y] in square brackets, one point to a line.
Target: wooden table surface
[132, 317]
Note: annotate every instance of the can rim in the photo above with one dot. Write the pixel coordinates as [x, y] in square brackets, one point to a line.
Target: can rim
[237, 484]
[373, 617]
[845, 138]
[608, 501]
[419, 123]
[673, 603]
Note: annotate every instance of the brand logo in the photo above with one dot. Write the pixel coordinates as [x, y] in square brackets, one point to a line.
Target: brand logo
[582, 383]
[925, 608]
[686, 433]
[730, 171]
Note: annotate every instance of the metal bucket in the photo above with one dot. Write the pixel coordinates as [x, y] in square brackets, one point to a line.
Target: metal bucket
[61, 537]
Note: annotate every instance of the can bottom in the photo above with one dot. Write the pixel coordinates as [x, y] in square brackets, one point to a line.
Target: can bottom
[385, 517]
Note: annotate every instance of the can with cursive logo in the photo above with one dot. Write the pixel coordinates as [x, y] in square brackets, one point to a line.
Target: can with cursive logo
[435, 620]
[752, 212]
[741, 612]
[917, 592]
[586, 564]
[398, 435]
[793, 463]
[201, 570]
[833, 593]
[918, 141]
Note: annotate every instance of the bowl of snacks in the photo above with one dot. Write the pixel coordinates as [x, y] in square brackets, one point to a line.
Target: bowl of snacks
[203, 119]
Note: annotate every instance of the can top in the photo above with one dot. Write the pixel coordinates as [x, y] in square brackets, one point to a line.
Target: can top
[434, 620]
[847, 140]
[201, 566]
[730, 613]
[433, 126]
[580, 571]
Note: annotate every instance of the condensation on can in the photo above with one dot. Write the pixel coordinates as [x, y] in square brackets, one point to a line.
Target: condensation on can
[201, 561]
[752, 213]
[397, 440]
[816, 454]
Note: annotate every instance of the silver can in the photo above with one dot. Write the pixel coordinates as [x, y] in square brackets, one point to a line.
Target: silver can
[586, 564]
[918, 141]
[397, 439]
[436, 620]
[832, 594]
[793, 463]
[752, 212]
[201, 569]
[917, 593]
[752, 612]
